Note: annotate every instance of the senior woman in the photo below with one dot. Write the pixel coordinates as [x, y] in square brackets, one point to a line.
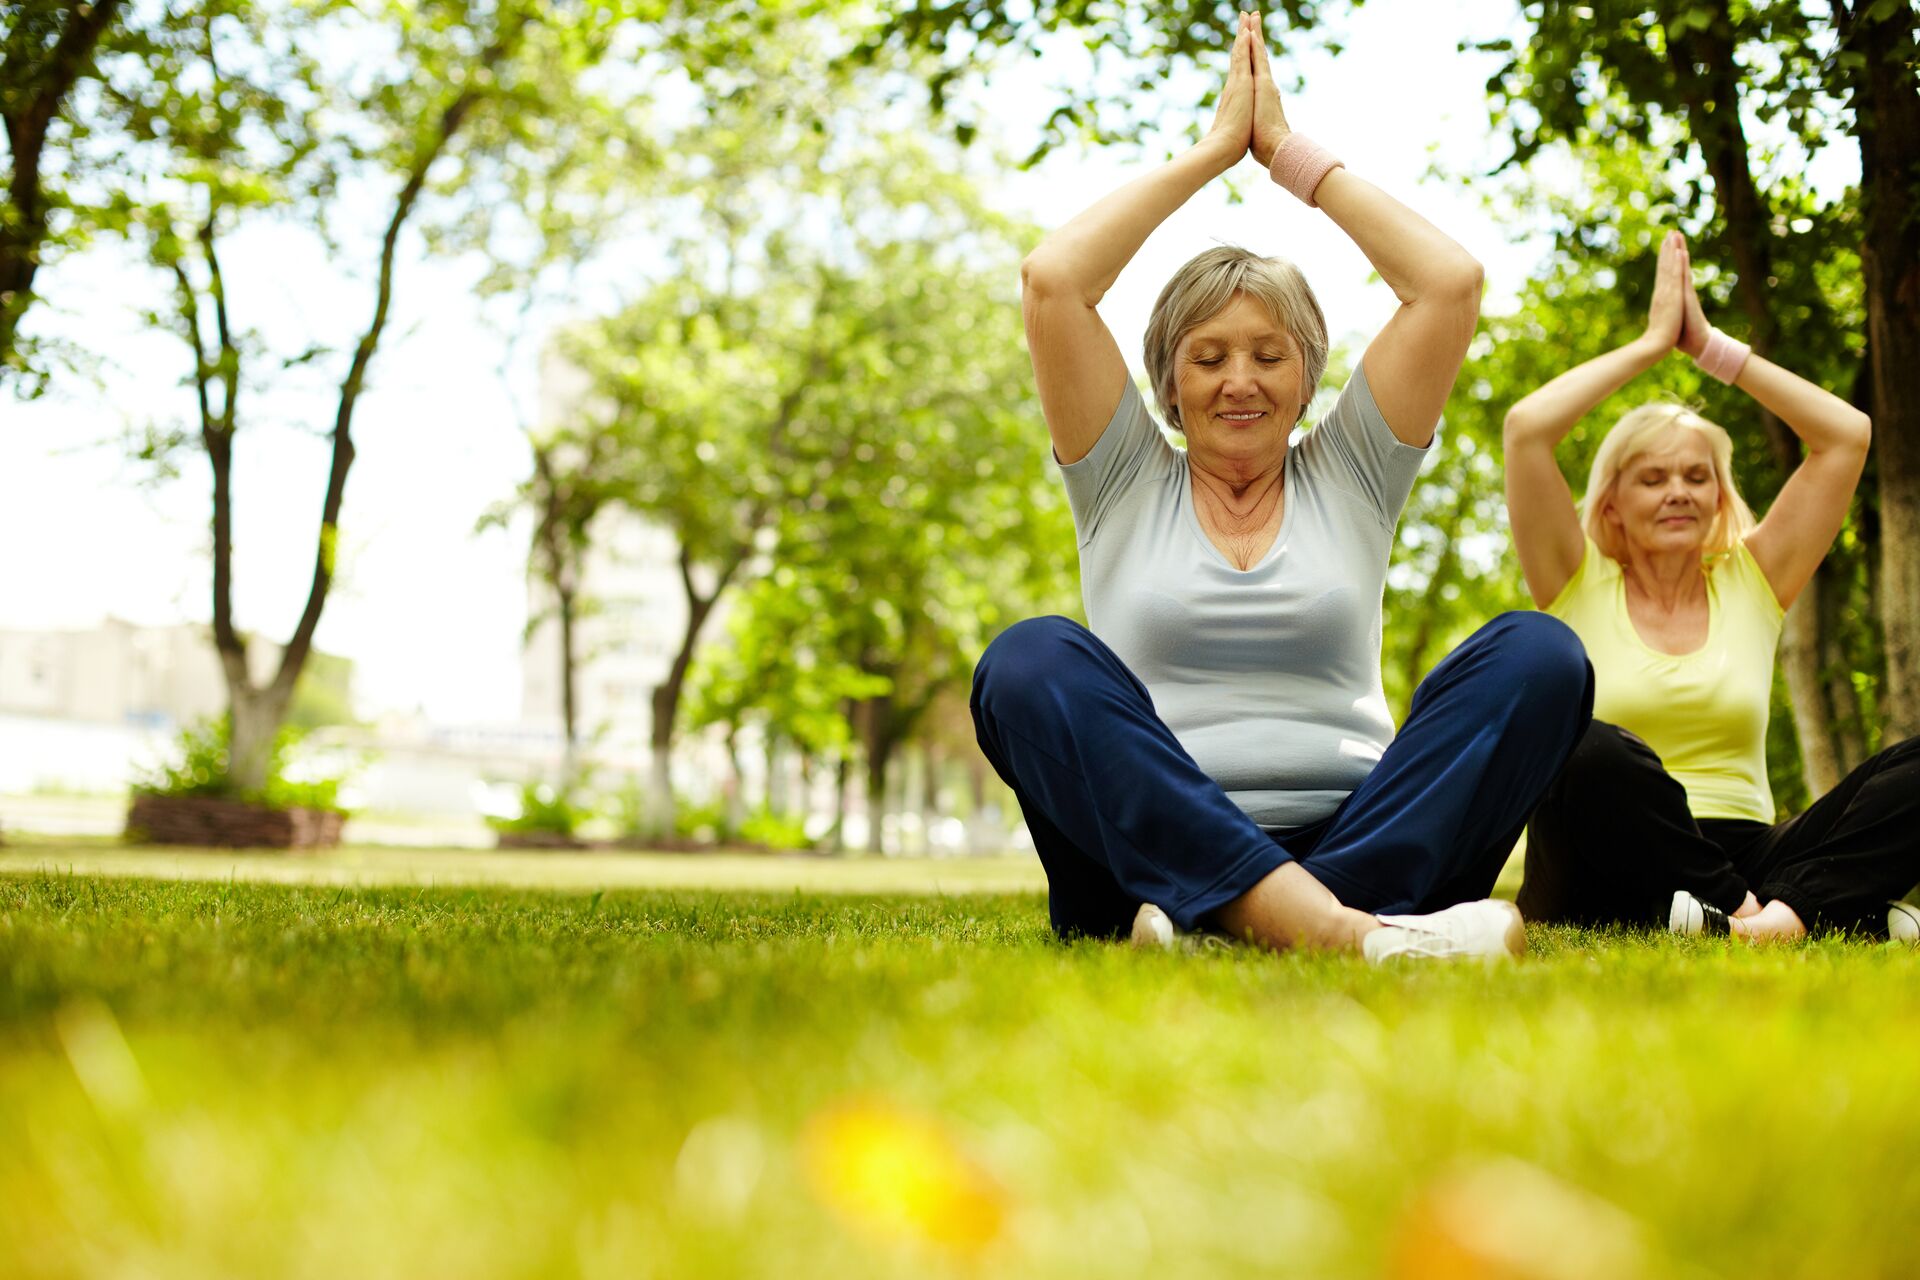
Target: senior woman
[1664, 814]
[1216, 751]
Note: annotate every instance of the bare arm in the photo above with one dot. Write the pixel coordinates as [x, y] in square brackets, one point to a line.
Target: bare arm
[1800, 527]
[1412, 363]
[1540, 510]
[1076, 363]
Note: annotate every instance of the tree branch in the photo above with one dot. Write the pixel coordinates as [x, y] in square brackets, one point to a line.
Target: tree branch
[451, 120]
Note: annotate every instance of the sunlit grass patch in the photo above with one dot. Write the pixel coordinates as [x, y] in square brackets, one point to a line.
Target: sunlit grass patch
[203, 1079]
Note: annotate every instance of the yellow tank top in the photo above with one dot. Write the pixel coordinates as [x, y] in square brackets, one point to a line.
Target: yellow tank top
[1705, 712]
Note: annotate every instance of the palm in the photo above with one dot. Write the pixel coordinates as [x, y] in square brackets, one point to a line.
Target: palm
[1269, 118]
[1233, 117]
[1668, 309]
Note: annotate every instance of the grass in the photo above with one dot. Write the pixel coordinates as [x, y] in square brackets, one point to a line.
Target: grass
[231, 1078]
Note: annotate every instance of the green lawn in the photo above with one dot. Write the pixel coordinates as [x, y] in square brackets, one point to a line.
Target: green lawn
[230, 1078]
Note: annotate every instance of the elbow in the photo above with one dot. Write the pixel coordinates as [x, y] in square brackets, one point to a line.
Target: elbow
[1040, 277]
[1517, 427]
[1467, 277]
[1463, 281]
[1045, 283]
[1861, 432]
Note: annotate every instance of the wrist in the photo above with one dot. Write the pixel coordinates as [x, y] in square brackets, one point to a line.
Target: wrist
[1218, 152]
[1299, 164]
[1649, 350]
[1722, 357]
[1264, 147]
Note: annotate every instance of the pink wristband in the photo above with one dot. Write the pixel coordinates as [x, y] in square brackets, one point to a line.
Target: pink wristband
[1723, 357]
[1299, 164]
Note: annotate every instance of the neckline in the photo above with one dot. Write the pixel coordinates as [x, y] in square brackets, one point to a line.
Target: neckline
[1713, 617]
[1200, 533]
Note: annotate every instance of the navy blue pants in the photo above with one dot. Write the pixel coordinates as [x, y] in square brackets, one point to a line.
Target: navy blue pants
[1120, 813]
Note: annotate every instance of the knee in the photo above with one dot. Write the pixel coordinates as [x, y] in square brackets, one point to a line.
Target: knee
[1022, 660]
[1606, 760]
[1541, 654]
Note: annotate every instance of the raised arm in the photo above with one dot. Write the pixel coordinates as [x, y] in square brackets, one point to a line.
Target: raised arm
[1076, 363]
[1546, 528]
[1412, 362]
[1799, 528]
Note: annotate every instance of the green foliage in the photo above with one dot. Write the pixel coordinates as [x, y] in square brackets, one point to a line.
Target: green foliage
[706, 822]
[545, 809]
[656, 1063]
[846, 426]
[202, 771]
[775, 830]
[1702, 116]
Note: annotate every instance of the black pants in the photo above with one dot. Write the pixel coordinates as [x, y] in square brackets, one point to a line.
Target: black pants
[1614, 838]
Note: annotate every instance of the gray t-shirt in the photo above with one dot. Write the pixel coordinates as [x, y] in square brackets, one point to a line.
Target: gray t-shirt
[1270, 678]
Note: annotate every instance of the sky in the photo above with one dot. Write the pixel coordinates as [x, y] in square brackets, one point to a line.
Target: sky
[431, 611]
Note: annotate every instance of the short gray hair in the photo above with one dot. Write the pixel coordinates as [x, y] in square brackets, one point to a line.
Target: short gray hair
[1201, 290]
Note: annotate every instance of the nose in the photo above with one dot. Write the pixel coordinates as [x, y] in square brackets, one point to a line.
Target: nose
[1238, 383]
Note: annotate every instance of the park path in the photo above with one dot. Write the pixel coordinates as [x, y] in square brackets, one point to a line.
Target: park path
[564, 871]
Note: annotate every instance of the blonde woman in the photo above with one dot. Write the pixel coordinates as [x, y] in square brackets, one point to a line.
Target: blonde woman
[1664, 815]
[1216, 751]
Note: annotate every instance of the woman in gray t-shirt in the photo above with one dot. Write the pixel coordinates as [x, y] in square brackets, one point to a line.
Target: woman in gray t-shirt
[1217, 750]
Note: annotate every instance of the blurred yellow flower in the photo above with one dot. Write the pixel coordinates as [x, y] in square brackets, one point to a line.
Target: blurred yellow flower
[900, 1174]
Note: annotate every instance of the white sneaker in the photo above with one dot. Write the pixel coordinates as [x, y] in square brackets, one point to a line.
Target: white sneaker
[1153, 929]
[1490, 929]
[1690, 917]
[1903, 921]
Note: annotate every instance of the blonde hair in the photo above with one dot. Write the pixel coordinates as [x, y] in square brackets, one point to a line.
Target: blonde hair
[1201, 290]
[1627, 440]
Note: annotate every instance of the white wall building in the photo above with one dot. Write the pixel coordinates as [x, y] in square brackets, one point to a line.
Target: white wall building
[115, 673]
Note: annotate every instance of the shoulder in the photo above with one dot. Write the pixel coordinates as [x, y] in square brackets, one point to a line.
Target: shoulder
[1594, 576]
[1737, 571]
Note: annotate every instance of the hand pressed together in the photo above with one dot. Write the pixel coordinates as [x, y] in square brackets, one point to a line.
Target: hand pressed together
[1249, 116]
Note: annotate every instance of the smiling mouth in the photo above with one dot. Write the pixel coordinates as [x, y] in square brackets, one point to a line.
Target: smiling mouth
[1251, 415]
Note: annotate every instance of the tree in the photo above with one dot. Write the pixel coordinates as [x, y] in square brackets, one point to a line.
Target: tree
[569, 488]
[1686, 82]
[47, 49]
[265, 128]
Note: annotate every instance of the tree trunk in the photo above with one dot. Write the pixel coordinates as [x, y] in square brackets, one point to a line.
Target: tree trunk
[929, 803]
[1836, 670]
[880, 735]
[1708, 75]
[838, 836]
[1886, 115]
[660, 813]
[255, 716]
[569, 715]
[977, 809]
[733, 807]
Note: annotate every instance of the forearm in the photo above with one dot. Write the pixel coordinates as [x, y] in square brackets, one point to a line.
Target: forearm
[1822, 420]
[1414, 257]
[1087, 255]
[1547, 414]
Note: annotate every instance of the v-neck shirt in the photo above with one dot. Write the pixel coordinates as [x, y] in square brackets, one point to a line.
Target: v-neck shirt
[1704, 713]
[1269, 677]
